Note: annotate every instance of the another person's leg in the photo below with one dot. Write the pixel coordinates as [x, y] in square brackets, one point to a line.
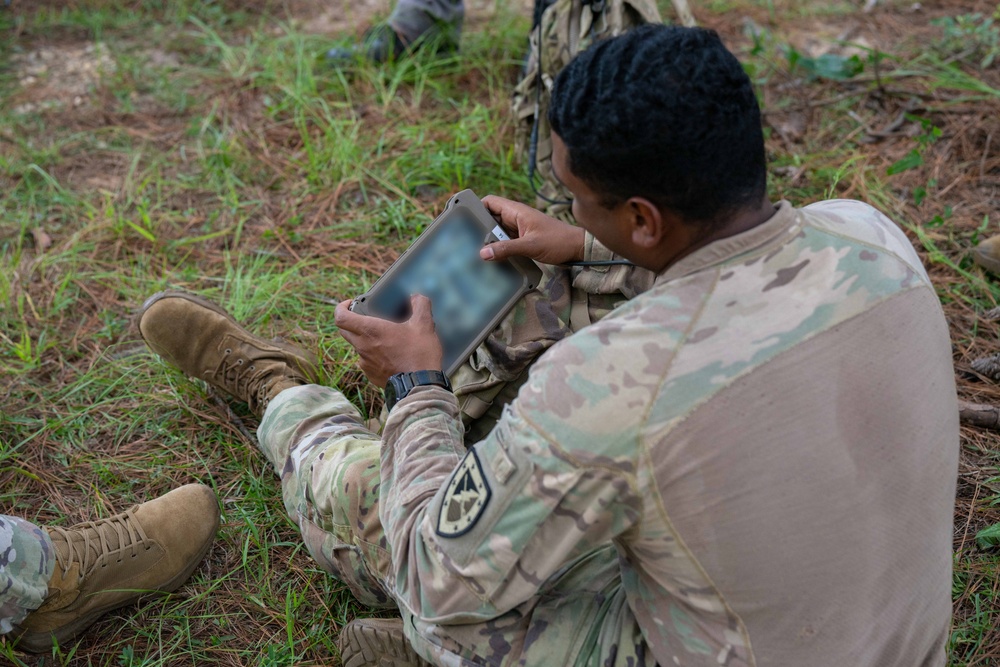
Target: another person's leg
[413, 25]
[57, 581]
[416, 19]
[27, 561]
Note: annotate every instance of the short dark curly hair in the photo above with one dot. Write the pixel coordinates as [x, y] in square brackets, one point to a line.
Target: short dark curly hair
[666, 113]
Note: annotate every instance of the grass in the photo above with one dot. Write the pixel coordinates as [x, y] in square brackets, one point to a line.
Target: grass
[216, 154]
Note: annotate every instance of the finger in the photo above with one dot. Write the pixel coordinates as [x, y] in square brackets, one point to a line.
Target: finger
[494, 204]
[359, 342]
[503, 210]
[347, 320]
[500, 250]
[351, 337]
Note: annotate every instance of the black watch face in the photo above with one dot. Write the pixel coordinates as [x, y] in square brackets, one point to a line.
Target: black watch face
[390, 393]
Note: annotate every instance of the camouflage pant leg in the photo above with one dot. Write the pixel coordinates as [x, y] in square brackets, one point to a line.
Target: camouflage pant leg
[329, 467]
[414, 18]
[581, 618]
[27, 561]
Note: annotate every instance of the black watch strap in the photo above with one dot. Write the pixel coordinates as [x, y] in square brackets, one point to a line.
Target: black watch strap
[401, 384]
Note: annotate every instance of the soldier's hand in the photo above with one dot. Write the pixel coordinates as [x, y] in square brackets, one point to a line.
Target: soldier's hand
[533, 234]
[387, 348]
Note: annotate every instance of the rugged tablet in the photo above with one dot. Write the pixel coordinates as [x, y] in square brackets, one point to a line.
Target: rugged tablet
[469, 296]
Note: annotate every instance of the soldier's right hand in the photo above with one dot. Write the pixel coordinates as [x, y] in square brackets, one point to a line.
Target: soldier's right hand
[533, 234]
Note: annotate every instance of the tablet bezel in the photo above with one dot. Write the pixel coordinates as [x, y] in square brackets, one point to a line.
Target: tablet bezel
[466, 202]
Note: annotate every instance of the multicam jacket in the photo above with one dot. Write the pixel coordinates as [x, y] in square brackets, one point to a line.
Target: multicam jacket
[767, 437]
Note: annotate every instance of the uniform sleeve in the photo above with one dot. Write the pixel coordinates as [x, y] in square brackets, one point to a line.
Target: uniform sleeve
[474, 534]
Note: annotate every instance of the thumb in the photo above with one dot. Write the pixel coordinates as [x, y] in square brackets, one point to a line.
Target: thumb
[500, 250]
[420, 306]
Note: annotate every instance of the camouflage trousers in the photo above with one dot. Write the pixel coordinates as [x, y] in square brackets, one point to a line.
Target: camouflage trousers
[416, 18]
[329, 467]
[27, 561]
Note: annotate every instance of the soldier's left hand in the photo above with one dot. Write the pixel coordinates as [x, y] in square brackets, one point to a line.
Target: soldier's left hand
[387, 348]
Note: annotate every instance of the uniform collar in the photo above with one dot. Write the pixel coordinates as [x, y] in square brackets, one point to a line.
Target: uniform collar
[772, 231]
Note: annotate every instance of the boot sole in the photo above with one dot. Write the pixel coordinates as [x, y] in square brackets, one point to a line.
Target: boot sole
[988, 262]
[376, 642]
[293, 350]
[42, 642]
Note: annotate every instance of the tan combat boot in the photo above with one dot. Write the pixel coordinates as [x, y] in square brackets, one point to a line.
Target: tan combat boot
[987, 254]
[102, 565]
[204, 341]
[377, 642]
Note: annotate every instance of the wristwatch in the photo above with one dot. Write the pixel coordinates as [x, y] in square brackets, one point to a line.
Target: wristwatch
[400, 384]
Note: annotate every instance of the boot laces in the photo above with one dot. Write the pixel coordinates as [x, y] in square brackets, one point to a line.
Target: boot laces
[243, 379]
[121, 535]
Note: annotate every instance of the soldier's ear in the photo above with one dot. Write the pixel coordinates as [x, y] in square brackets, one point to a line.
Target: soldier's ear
[647, 225]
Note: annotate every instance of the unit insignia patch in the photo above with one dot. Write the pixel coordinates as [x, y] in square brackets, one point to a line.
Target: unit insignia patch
[465, 499]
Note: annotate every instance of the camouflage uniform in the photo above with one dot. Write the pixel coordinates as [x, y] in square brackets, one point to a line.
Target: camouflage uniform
[414, 18]
[752, 461]
[27, 561]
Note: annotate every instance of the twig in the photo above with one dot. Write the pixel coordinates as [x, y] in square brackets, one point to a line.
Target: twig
[850, 135]
[958, 56]
[836, 98]
[942, 193]
[875, 70]
[234, 419]
[901, 92]
[856, 117]
[986, 152]
[287, 247]
[130, 351]
[968, 518]
[890, 129]
[988, 366]
[979, 414]
[814, 104]
[322, 299]
[893, 75]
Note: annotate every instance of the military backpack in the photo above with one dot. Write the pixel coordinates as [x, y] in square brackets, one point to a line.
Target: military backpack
[562, 29]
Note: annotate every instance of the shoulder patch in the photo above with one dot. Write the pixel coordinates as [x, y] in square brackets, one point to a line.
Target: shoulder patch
[465, 499]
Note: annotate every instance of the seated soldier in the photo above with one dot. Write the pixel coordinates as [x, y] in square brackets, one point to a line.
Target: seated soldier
[55, 582]
[750, 461]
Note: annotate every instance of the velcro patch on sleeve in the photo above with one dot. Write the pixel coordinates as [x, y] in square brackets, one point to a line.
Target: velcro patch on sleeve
[465, 499]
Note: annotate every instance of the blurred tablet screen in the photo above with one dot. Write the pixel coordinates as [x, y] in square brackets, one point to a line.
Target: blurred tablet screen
[466, 292]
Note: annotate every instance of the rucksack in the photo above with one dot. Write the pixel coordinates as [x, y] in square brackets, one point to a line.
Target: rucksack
[563, 29]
